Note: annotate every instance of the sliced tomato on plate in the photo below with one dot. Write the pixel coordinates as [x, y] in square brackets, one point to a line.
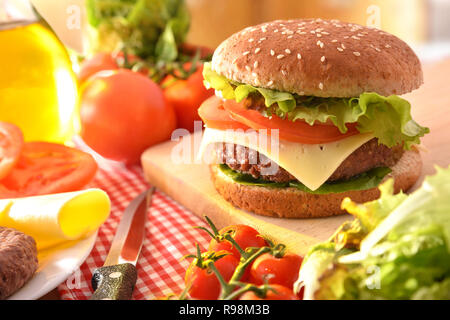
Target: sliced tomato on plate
[45, 168]
[215, 116]
[296, 131]
[11, 144]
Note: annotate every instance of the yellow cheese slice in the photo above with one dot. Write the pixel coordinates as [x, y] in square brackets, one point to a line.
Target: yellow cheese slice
[53, 219]
[311, 164]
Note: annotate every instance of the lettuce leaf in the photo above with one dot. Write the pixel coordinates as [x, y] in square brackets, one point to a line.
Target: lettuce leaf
[410, 258]
[364, 181]
[150, 29]
[388, 118]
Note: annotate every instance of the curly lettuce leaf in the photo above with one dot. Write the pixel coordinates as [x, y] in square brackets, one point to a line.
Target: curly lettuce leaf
[388, 118]
[371, 213]
[150, 29]
[410, 258]
[364, 181]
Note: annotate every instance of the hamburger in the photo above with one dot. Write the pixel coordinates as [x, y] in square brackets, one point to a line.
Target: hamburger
[306, 113]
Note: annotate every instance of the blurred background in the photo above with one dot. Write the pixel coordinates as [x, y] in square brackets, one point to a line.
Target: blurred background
[424, 24]
[418, 22]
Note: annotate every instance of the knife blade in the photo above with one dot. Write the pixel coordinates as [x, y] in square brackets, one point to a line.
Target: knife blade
[118, 276]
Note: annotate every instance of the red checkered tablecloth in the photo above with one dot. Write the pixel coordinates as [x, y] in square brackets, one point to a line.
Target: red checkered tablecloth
[169, 236]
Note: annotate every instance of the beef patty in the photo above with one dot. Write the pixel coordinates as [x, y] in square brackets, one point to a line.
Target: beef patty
[18, 260]
[370, 155]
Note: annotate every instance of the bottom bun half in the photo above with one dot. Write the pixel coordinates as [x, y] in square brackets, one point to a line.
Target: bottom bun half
[293, 203]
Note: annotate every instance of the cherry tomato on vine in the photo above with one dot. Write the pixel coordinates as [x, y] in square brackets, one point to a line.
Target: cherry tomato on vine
[245, 236]
[280, 293]
[202, 282]
[278, 270]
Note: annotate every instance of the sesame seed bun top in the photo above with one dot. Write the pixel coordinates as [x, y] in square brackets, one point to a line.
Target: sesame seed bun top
[324, 58]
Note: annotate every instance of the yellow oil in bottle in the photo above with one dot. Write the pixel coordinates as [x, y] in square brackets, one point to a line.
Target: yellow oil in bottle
[38, 89]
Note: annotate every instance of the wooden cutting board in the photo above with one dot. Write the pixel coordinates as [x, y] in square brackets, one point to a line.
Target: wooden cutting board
[190, 184]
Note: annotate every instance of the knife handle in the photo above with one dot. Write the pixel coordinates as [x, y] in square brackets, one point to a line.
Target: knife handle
[114, 282]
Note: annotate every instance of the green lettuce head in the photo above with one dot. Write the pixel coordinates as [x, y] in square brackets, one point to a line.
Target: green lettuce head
[398, 247]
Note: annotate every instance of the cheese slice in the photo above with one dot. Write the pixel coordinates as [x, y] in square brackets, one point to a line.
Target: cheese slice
[56, 218]
[311, 164]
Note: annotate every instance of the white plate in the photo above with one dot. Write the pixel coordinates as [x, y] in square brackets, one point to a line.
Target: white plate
[54, 268]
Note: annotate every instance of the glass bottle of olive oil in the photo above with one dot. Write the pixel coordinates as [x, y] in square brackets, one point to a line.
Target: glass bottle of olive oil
[38, 89]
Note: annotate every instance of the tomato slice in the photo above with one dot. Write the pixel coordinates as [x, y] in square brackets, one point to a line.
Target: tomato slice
[296, 131]
[11, 144]
[45, 168]
[215, 116]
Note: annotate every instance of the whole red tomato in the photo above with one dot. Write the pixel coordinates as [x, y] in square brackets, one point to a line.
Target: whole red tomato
[186, 96]
[202, 283]
[98, 62]
[245, 236]
[283, 270]
[280, 293]
[122, 113]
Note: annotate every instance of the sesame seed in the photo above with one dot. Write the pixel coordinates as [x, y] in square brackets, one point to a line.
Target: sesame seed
[270, 83]
[283, 72]
[355, 37]
[246, 53]
[255, 65]
[251, 40]
[334, 40]
[262, 39]
[280, 56]
[287, 51]
[377, 49]
[325, 33]
[254, 74]
[234, 61]
[318, 35]
[276, 30]
[247, 68]
[312, 31]
[356, 53]
[343, 46]
[387, 46]
[257, 50]
[340, 49]
[299, 56]
[289, 37]
[319, 43]
[322, 59]
[272, 53]
[321, 86]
